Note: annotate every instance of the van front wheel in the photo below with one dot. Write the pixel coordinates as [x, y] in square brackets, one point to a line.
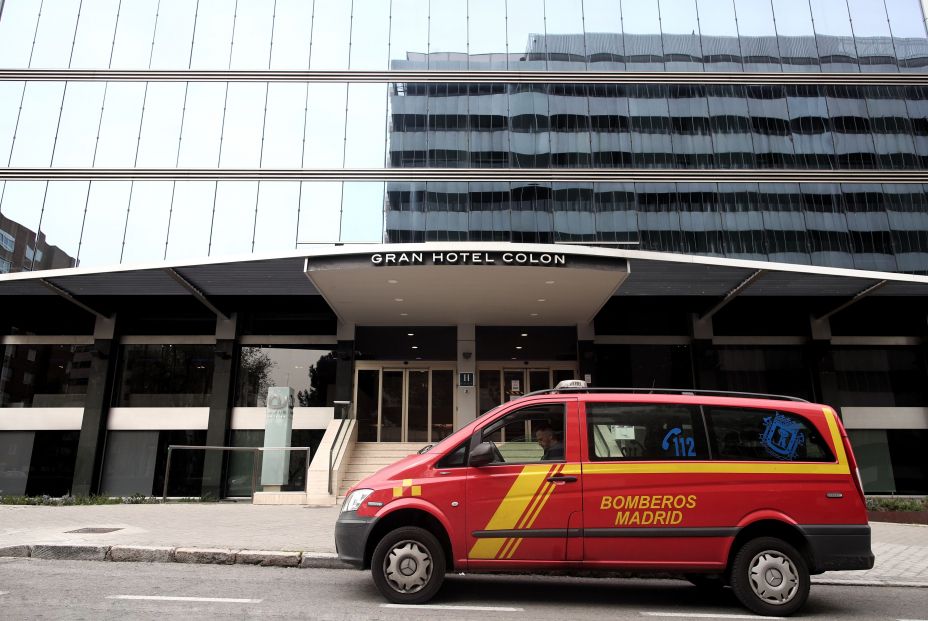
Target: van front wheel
[408, 565]
[770, 577]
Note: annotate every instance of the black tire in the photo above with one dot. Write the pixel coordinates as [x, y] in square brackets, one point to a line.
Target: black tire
[708, 583]
[408, 549]
[770, 577]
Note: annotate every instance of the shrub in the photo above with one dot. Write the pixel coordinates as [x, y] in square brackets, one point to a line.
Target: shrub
[891, 503]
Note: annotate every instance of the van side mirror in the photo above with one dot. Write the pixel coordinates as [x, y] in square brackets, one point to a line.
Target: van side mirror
[483, 454]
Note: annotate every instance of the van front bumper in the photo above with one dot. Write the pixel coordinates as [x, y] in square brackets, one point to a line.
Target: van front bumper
[839, 547]
[351, 533]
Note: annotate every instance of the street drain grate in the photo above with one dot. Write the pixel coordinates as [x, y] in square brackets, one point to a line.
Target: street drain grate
[93, 531]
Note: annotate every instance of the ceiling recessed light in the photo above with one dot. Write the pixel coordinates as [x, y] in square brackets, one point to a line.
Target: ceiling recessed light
[513, 357]
[393, 282]
[410, 334]
[533, 314]
[404, 314]
[542, 300]
[418, 357]
[397, 299]
[415, 347]
[549, 282]
[525, 334]
[518, 347]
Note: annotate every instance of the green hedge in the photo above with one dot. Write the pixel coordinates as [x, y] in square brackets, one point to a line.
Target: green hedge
[897, 504]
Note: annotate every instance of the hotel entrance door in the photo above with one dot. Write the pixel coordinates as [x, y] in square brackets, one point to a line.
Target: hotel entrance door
[500, 384]
[404, 404]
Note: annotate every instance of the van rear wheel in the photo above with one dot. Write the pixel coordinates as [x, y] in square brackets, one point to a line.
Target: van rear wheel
[770, 577]
[408, 565]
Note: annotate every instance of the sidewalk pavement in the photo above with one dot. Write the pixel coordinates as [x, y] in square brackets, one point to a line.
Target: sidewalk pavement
[301, 536]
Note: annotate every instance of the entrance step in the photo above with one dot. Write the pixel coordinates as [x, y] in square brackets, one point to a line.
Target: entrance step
[369, 457]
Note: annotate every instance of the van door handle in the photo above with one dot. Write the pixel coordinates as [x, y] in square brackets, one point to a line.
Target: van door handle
[562, 478]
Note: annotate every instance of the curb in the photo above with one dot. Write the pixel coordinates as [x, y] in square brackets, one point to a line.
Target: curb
[157, 554]
[268, 558]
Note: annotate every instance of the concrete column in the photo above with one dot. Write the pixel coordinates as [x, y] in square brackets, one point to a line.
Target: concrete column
[814, 354]
[344, 370]
[220, 405]
[586, 353]
[467, 363]
[97, 403]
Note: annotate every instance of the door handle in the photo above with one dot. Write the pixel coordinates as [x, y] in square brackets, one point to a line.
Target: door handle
[562, 478]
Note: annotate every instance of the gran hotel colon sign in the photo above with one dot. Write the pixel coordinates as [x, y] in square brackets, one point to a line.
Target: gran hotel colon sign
[547, 259]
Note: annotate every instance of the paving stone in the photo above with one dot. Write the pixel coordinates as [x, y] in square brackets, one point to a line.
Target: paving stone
[214, 556]
[142, 554]
[266, 558]
[70, 552]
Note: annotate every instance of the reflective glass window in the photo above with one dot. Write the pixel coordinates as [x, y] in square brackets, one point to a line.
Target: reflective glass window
[290, 49]
[680, 29]
[164, 375]
[284, 126]
[44, 376]
[173, 34]
[202, 125]
[212, 43]
[566, 46]
[718, 27]
[641, 22]
[409, 34]
[278, 212]
[875, 51]
[54, 37]
[525, 32]
[77, 132]
[147, 223]
[325, 131]
[309, 371]
[17, 31]
[362, 212]
[135, 31]
[370, 35]
[759, 48]
[234, 218]
[907, 23]
[486, 34]
[605, 45]
[243, 125]
[96, 29]
[35, 135]
[365, 126]
[159, 139]
[119, 130]
[254, 25]
[190, 219]
[448, 34]
[331, 25]
[63, 215]
[796, 35]
[104, 224]
[834, 35]
[320, 211]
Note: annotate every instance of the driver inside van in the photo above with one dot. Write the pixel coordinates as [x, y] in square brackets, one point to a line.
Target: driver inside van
[553, 448]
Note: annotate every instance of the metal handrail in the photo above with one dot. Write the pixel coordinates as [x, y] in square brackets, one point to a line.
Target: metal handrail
[339, 440]
[254, 470]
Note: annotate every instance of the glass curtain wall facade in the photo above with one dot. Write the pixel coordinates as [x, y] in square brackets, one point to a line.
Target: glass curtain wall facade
[172, 130]
[281, 150]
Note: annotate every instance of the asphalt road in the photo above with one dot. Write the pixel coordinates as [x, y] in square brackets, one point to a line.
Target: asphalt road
[35, 589]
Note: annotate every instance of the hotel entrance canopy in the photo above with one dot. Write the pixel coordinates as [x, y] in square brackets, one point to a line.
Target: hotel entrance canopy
[449, 283]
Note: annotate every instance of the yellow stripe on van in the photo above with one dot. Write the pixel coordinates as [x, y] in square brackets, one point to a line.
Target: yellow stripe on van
[513, 506]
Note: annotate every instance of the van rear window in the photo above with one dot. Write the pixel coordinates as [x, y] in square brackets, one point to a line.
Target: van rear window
[746, 434]
[644, 431]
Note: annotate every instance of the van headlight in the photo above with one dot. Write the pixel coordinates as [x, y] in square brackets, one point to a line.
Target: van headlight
[354, 500]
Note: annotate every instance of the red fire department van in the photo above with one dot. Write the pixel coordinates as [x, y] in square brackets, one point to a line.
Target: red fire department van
[753, 492]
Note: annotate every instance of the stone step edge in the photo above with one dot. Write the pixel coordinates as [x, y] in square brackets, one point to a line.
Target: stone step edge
[166, 554]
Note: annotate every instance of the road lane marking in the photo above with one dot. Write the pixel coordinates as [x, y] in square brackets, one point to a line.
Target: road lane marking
[701, 615]
[168, 598]
[450, 607]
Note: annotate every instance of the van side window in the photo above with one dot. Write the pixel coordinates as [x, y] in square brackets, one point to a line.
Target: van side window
[644, 431]
[746, 434]
[530, 434]
[456, 458]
